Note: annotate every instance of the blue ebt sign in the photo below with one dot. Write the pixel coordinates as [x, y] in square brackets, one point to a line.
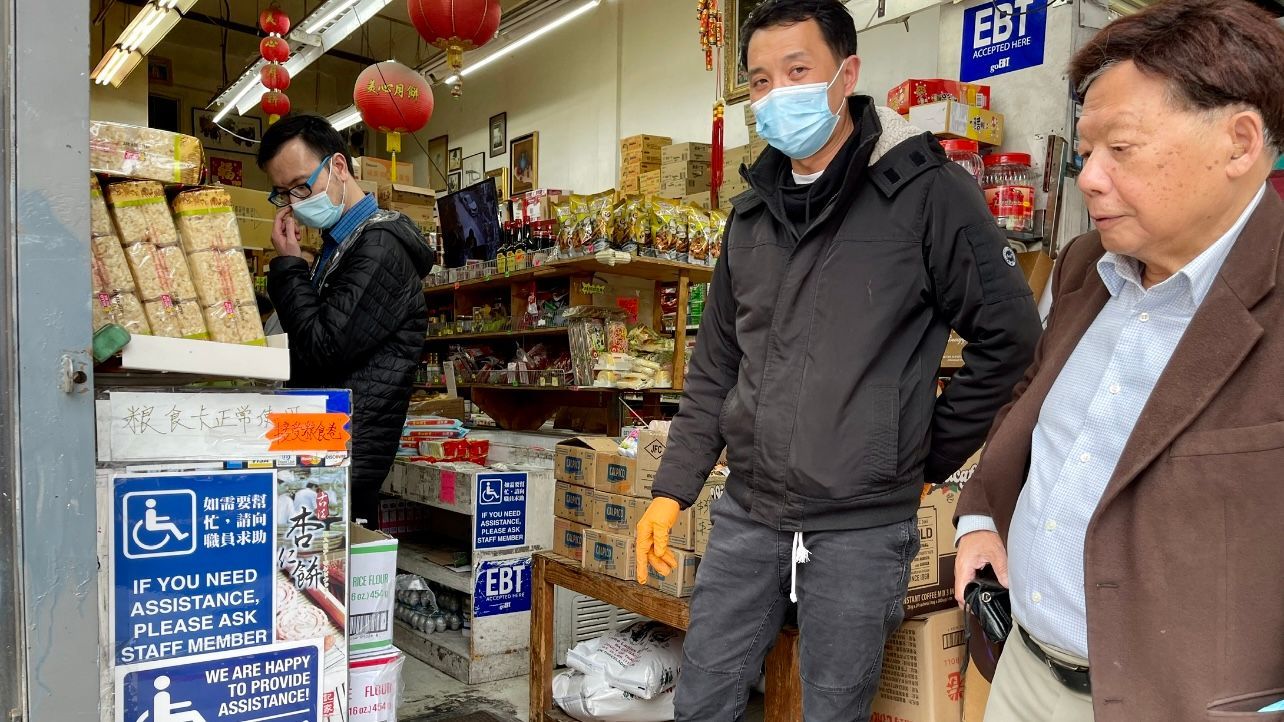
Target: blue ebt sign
[1003, 36]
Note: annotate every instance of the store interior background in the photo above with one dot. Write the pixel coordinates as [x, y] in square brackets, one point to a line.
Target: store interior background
[626, 67]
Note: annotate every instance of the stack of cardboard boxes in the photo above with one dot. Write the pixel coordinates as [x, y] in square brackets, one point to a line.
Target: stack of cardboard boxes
[640, 155]
[685, 170]
[419, 204]
[949, 109]
[601, 497]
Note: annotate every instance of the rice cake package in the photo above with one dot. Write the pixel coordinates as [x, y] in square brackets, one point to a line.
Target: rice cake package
[235, 323]
[123, 309]
[99, 218]
[142, 214]
[137, 152]
[221, 276]
[160, 271]
[176, 318]
[206, 220]
[110, 268]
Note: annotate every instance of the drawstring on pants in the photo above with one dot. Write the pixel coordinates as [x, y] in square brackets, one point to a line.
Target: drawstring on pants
[800, 556]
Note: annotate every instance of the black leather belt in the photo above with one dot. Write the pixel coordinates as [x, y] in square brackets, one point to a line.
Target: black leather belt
[1074, 678]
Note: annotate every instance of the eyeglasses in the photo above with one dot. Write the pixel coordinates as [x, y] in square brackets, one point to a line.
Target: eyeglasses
[299, 192]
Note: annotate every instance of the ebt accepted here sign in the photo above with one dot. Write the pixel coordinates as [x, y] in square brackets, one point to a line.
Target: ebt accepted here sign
[1003, 36]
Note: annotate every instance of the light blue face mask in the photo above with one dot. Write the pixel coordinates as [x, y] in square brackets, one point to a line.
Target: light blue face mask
[317, 210]
[796, 119]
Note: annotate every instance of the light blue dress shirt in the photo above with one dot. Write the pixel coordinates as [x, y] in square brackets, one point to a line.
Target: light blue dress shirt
[1082, 431]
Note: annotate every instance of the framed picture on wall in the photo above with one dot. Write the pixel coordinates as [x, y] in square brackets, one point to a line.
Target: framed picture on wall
[437, 157]
[456, 160]
[523, 163]
[228, 171]
[501, 181]
[452, 182]
[473, 169]
[242, 133]
[737, 80]
[498, 135]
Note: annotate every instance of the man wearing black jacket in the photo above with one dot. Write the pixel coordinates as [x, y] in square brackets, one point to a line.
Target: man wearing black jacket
[844, 268]
[357, 317]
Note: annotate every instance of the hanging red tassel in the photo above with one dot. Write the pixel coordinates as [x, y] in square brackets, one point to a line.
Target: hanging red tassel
[719, 111]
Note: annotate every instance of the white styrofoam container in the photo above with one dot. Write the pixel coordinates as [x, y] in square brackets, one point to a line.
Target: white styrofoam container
[208, 358]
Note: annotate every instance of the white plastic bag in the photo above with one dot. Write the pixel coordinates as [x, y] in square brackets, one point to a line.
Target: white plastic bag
[588, 698]
[642, 659]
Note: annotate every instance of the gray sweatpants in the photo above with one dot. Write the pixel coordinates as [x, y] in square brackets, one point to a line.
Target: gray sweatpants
[850, 598]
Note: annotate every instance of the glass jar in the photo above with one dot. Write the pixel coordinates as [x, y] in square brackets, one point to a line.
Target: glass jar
[966, 153]
[1010, 191]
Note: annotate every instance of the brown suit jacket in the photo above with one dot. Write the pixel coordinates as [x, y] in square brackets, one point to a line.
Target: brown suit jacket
[1184, 556]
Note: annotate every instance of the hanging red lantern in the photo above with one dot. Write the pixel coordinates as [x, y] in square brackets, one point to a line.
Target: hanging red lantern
[275, 104]
[274, 21]
[455, 26]
[393, 99]
[274, 49]
[275, 76]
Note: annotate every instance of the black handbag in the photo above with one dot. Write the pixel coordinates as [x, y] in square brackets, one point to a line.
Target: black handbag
[987, 623]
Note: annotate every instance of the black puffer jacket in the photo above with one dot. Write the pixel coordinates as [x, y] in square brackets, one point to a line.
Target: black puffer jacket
[361, 329]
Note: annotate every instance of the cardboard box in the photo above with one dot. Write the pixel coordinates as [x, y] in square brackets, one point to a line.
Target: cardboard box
[622, 475]
[568, 539]
[733, 157]
[644, 142]
[701, 513]
[642, 157]
[651, 446]
[372, 589]
[750, 118]
[406, 194]
[732, 187]
[254, 215]
[424, 216]
[700, 200]
[756, 149]
[575, 460]
[681, 581]
[955, 120]
[573, 503]
[690, 170]
[680, 188]
[609, 554]
[685, 152]
[537, 205]
[369, 187]
[635, 168]
[650, 183]
[976, 693]
[753, 134]
[931, 582]
[620, 514]
[921, 680]
[914, 92]
[630, 186]
[1036, 266]
[379, 170]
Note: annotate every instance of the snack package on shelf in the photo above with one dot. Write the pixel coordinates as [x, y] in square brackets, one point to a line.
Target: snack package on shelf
[160, 271]
[173, 317]
[718, 230]
[663, 227]
[693, 221]
[621, 239]
[222, 276]
[567, 225]
[600, 212]
[110, 268]
[136, 152]
[142, 213]
[122, 309]
[235, 323]
[206, 220]
[99, 218]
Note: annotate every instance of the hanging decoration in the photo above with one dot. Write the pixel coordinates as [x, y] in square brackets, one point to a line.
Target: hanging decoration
[393, 99]
[275, 50]
[713, 36]
[455, 26]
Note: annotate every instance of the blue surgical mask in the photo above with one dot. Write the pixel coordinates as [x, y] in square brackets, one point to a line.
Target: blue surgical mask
[796, 119]
[317, 210]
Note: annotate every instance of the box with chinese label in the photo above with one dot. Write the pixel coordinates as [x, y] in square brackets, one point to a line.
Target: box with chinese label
[575, 460]
[955, 120]
[915, 92]
[573, 503]
[681, 581]
[922, 663]
[610, 554]
[568, 539]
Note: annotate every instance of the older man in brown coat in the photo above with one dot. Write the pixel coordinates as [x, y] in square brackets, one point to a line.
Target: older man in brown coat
[1132, 496]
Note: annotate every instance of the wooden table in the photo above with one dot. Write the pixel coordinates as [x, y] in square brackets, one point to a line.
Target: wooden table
[784, 687]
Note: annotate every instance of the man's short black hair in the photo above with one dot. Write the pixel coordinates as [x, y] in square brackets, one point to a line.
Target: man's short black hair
[315, 131]
[835, 23]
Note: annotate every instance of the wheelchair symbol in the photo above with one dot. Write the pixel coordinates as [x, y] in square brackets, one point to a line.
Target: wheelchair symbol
[154, 522]
[490, 492]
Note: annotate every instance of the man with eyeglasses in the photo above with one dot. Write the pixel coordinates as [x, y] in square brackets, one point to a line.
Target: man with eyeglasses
[356, 317]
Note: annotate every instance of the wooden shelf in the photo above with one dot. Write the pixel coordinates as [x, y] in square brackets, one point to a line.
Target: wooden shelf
[650, 269]
[497, 335]
[413, 558]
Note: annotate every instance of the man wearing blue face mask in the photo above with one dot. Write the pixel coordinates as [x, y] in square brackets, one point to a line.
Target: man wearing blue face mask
[357, 317]
[844, 268]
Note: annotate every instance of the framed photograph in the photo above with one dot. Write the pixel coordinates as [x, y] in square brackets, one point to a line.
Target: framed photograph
[473, 169]
[456, 160]
[160, 70]
[452, 182]
[242, 134]
[228, 171]
[737, 80]
[523, 163]
[498, 135]
[437, 157]
[501, 182]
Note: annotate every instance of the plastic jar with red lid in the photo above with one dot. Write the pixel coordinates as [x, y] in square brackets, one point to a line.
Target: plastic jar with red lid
[966, 153]
[1010, 191]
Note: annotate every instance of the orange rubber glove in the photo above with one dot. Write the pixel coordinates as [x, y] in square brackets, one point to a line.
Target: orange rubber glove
[653, 538]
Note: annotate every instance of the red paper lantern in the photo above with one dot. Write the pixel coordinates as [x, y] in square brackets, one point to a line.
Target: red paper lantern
[393, 99]
[274, 21]
[275, 104]
[275, 76]
[455, 26]
[274, 49]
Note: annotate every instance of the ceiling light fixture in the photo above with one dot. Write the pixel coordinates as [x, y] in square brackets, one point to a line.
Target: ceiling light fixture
[527, 39]
[339, 9]
[345, 118]
[152, 23]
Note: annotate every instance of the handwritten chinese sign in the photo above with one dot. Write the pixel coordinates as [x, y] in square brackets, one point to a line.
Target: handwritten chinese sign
[308, 432]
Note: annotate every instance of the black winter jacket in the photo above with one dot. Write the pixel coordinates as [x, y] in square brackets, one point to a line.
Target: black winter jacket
[362, 328]
[818, 353]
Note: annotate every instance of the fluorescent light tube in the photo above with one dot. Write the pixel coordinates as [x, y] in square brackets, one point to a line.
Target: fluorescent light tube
[325, 20]
[345, 118]
[522, 41]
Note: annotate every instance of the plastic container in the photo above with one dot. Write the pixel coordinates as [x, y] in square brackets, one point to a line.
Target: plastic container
[966, 153]
[1010, 191]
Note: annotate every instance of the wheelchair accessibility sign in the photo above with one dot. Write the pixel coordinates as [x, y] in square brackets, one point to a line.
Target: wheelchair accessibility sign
[160, 523]
[501, 510]
[279, 683]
